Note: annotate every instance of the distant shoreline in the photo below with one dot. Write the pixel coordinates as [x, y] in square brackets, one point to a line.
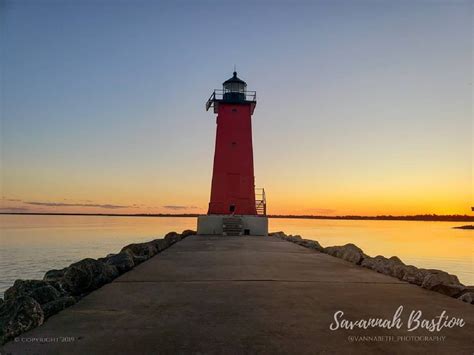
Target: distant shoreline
[464, 227]
[431, 218]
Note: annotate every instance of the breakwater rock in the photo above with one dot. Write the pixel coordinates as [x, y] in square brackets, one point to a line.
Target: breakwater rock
[430, 279]
[348, 252]
[28, 303]
[312, 244]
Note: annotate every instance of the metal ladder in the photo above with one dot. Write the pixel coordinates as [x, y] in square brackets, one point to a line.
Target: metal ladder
[260, 201]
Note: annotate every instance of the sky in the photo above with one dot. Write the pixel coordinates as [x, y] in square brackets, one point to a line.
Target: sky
[363, 107]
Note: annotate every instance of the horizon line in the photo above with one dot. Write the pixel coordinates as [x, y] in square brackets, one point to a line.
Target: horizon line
[416, 217]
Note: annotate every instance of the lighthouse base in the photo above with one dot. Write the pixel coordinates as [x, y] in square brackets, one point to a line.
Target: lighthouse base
[244, 225]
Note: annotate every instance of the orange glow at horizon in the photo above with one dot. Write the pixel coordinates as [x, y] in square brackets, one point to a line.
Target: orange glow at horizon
[304, 200]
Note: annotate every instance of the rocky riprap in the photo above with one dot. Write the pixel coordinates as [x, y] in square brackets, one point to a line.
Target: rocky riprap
[28, 303]
[430, 279]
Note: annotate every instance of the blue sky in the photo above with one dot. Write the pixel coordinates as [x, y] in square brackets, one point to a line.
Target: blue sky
[364, 107]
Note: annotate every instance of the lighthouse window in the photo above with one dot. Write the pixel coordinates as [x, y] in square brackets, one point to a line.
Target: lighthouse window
[234, 87]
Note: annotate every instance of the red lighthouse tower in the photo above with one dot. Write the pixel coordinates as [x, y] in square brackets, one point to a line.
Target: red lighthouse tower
[233, 208]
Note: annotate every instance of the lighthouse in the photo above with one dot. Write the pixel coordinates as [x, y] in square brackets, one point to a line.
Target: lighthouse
[236, 207]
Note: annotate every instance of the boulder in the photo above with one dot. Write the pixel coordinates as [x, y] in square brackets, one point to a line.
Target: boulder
[294, 238]
[370, 262]
[187, 233]
[172, 237]
[414, 275]
[41, 291]
[19, 315]
[397, 267]
[55, 306]
[348, 252]
[277, 234]
[87, 275]
[311, 244]
[152, 247]
[54, 274]
[442, 282]
[161, 244]
[291, 238]
[122, 261]
[392, 266]
[140, 251]
[467, 297]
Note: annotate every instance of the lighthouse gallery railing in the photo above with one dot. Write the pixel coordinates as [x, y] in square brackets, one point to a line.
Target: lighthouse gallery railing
[218, 95]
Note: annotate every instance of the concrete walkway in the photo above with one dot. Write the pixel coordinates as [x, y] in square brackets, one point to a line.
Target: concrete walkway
[233, 295]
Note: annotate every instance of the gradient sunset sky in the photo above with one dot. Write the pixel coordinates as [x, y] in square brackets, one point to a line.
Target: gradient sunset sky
[364, 107]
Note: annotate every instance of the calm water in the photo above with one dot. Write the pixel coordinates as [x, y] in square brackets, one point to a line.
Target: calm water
[32, 245]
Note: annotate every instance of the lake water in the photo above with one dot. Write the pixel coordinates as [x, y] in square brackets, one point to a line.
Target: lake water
[32, 245]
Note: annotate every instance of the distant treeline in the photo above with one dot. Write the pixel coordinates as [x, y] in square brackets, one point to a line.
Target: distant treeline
[420, 217]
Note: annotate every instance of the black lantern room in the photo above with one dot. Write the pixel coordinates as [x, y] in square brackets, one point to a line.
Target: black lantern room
[234, 89]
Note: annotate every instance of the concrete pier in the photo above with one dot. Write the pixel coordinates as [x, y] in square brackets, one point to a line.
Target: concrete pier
[245, 295]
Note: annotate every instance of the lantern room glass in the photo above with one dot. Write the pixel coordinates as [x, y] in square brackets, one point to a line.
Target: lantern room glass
[234, 87]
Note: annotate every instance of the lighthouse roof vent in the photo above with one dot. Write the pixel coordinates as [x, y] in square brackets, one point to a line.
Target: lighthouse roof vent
[234, 80]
